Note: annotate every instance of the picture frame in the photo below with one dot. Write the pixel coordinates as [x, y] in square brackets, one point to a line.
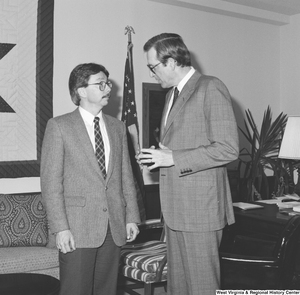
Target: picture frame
[153, 104]
[44, 92]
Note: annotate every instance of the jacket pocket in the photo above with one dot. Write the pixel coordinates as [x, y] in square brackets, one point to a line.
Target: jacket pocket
[76, 201]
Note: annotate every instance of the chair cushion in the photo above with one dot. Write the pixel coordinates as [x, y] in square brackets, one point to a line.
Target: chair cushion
[23, 220]
[27, 259]
[137, 274]
[145, 256]
[141, 261]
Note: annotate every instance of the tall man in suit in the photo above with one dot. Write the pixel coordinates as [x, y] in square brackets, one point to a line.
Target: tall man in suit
[91, 204]
[198, 138]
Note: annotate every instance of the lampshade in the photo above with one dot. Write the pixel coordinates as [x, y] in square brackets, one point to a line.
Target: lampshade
[290, 145]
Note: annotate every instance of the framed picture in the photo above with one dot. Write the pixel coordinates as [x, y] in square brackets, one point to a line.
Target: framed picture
[153, 103]
[26, 59]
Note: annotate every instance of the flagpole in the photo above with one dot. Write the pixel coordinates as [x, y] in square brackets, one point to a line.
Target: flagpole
[129, 30]
[129, 117]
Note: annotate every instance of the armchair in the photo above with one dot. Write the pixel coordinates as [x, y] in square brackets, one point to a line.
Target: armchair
[144, 264]
[255, 263]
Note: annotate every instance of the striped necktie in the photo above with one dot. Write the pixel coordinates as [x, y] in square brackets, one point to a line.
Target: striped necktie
[99, 147]
[176, 93]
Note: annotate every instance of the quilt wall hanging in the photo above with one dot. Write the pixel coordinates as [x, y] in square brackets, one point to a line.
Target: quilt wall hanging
[26, 75]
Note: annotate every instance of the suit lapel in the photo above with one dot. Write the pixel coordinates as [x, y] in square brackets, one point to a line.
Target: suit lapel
[164, 114]
[183, 97]
[111, 132]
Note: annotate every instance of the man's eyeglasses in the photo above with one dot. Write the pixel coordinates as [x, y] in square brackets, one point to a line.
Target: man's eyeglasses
[103, 84]
[151, 68]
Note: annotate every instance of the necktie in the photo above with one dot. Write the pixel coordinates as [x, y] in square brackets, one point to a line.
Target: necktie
[176, 92]
[99, 147]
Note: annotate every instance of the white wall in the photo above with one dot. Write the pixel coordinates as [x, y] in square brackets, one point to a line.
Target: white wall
[290, 67]
[246, 55]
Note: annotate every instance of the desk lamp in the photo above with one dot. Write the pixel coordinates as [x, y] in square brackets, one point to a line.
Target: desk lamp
[290, 144]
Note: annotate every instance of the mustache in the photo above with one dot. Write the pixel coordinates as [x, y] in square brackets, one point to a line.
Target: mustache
[107, 95]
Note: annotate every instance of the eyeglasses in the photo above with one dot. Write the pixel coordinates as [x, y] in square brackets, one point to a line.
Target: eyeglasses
[103, 84]
[151, 68]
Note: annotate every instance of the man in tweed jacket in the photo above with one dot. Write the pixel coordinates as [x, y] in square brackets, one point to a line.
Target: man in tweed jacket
[91, 212]
[198, 137]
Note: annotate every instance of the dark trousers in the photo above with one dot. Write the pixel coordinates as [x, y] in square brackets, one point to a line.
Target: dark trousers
[90, 271]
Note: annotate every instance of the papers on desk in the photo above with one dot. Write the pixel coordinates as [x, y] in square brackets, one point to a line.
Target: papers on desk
[269, 201]
[288, 205]
[247, 206]
[282, 203]
[287, 212]
[292, 197]
[296, 209]
[286, 201]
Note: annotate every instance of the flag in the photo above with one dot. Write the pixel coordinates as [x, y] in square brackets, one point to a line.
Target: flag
[129, 117]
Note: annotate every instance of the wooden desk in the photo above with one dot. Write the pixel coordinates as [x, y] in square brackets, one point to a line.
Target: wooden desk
[266, 223]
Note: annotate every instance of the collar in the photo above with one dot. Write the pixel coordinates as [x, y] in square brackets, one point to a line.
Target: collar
[185, 79]
[88, 117]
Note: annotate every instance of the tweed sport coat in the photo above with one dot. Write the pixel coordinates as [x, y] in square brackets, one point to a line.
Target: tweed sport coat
[76, 195]
[202, 132]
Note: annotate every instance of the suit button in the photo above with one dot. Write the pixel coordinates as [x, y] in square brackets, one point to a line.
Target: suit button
[104, 209]
[106, 188]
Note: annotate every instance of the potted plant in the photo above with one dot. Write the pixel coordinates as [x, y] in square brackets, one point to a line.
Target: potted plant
[262, 154]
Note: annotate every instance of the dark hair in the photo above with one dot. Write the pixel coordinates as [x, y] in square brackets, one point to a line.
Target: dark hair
[169, 45]
[80, 76]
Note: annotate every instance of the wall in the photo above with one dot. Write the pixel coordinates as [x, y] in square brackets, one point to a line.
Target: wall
[290, 67]
[242, 53]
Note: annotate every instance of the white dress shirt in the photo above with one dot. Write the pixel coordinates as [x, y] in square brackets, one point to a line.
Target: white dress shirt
[88, 119]
[179, 87]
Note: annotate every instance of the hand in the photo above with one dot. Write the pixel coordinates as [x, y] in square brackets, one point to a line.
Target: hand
[162, 157]
[132, 231]
[65, 241]
[139, 156]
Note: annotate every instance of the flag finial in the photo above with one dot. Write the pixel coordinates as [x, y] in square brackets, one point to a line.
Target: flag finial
[129, 30]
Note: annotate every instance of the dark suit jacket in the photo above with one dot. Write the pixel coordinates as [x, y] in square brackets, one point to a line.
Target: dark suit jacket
[202, 132]
[76, 195]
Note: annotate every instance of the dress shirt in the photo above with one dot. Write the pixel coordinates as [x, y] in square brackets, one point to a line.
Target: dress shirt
[179, 87]
[88, 119]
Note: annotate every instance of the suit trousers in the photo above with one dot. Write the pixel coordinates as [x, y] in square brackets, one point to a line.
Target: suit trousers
[90, 271]
[193, 262]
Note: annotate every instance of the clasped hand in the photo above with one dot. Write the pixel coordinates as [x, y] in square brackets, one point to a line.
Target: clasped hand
[155, 158]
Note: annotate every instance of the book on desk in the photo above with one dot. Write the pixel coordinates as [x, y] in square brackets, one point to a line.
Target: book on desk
[291, 202]
[284, 202]
[287, 204]
[246, 206]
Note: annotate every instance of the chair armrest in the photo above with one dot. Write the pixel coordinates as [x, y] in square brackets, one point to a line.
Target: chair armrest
[151, 224]
[236, 259]
[149, 230]
[249, 272]
[160, 269]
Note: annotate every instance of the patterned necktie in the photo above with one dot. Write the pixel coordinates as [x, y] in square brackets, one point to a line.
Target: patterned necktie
[176, 92]
[99, 147]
